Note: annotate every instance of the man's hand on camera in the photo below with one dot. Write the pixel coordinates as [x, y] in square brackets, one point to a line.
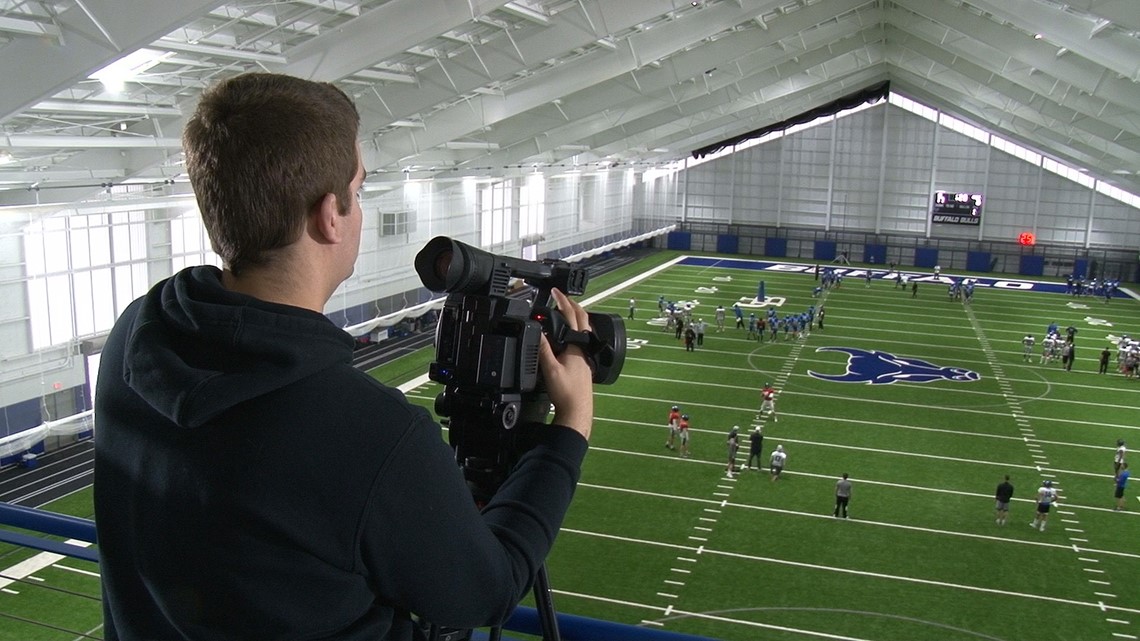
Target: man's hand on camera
[568, 379]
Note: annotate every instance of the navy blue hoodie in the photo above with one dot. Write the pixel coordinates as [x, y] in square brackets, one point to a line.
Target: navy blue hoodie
[251, 484]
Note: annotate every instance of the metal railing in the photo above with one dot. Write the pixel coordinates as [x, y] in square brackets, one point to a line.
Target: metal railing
[525, 620]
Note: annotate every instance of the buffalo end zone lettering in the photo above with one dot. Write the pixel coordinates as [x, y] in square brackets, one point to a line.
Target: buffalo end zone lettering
[880, 274]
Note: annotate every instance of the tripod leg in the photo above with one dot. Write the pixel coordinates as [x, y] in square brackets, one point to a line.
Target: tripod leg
[544, 603]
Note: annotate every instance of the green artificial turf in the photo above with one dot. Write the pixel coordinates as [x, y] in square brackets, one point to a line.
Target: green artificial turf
[653, 539]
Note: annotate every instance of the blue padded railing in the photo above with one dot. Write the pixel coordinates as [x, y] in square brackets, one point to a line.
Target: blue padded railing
[27, 518]
[525, 620]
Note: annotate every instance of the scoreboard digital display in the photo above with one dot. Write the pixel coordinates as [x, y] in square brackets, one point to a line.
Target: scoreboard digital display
[956, 208]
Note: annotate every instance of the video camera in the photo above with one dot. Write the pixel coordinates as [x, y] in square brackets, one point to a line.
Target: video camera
[487, 346]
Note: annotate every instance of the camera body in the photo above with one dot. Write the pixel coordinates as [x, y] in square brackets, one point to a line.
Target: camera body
[487, 341]
[487, 344]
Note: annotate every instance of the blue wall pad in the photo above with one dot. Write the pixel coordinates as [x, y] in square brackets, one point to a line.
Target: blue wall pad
[1081, 268]
[776, 247]
[875, 254]
[682, 240]
[20, 416]
[824, 250]
[1032, 265]
[978, 261]
[726, 244]
[925, 257]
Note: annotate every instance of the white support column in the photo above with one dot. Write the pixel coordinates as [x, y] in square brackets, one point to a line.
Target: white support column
[732, 187]
[780, 185]
[933, 174]
[1037, 202]
[882, 171]
[685, 193]
[985, 190]
[1089, 224]
[830, 178]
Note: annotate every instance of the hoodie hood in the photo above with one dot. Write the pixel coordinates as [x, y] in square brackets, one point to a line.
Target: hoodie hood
[196, 349]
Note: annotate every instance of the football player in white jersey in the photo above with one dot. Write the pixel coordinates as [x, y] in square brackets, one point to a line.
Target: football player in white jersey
[1046, 497]
[776, 463]
[1047, 346]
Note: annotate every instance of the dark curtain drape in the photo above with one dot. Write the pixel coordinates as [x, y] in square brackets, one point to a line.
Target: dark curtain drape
[870, 94]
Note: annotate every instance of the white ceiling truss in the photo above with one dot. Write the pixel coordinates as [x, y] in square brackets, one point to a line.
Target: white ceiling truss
[453, 87]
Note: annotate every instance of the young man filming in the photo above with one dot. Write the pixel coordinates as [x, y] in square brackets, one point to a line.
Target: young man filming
[249, 482]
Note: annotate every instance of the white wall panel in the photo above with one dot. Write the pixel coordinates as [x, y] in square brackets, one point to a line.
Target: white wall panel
[858, 164]
[797, 181]
[805, 175]
[1113, 221]
[757, 189]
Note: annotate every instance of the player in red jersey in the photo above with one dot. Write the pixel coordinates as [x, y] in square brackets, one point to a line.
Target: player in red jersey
[683, 435]
[768, 402]
[673, 425]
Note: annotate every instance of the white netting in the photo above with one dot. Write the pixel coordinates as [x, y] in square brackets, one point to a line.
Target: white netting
[415, 311]
[67, 426]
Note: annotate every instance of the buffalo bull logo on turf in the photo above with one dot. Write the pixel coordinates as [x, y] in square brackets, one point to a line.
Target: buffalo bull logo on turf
[880, 368]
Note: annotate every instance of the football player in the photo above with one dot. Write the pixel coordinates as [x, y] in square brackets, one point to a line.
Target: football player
[683, 435]
[673, 425]
[768, 403]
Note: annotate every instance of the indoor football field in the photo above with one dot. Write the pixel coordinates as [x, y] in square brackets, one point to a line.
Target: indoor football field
[926, 402]
[659, 540]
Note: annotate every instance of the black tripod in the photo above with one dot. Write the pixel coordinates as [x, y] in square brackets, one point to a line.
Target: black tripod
[481, 431]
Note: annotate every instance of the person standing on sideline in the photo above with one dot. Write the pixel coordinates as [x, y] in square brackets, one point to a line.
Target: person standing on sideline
[842, 496]
[739, 313]
[1046, 496]
[632, 307]
[250, 483]
[733, 447]
[1068, 354]
[914, 288]
[700, 326]
[1104, 356]
[690, 338]
[1121, 482]
[756, 448]
[1118, 457]
[867, 277]
[776, 462]
[1002, 497]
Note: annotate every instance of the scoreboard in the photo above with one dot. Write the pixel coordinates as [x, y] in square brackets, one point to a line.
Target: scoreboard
[959, 208]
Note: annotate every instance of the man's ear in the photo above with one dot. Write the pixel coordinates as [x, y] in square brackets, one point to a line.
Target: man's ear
[326, 220]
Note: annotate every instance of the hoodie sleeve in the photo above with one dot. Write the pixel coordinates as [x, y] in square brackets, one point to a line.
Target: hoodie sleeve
[428, 549]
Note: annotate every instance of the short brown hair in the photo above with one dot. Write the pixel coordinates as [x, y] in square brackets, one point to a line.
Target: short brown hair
[261, 150]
